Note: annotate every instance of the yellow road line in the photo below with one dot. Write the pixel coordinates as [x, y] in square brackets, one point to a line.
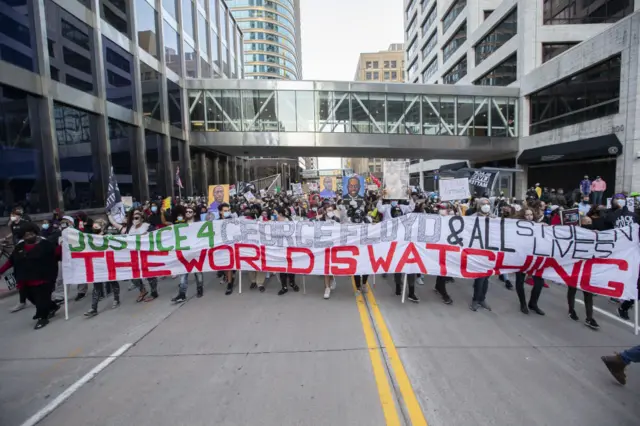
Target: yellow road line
[379, 372]
[406, 390]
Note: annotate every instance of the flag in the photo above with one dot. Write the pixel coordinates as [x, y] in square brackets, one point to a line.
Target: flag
[178, 180]
[376, 181]
[114, 204]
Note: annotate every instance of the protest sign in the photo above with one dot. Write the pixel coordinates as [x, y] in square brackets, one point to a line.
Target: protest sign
[313, 186]
[249, 196]
[218, 194]
[454, 189]
[395, 179]
[481, 182]
[232, 190]
[570, 216]
[127, 202]
[328, 187]
[297, 188]
[263, 193]
[289, 192]
[603, 262]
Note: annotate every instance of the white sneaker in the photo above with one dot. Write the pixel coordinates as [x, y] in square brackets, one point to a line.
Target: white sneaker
[327, 292]
[364, 288]
[18, 307]
[333, 283]
[419, 281]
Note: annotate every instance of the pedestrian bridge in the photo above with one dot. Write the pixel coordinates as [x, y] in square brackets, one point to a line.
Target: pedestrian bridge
[319, 118]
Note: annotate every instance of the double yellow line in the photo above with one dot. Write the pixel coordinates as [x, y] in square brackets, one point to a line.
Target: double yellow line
[396, 369]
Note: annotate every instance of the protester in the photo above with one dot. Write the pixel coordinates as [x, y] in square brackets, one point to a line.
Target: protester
[481, 285]
[98, 228]
[618, 363]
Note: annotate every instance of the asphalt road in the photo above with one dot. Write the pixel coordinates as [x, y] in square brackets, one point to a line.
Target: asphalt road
[260, 359]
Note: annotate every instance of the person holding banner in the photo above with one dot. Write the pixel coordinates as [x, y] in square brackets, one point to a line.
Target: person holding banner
[136, 224]
[188, 215]
[35, 266]
[98, 228]
[224, 213]
[481, 285]
[411, 278]
[281, 216]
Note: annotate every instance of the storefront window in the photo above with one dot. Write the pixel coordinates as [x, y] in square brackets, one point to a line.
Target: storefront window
[122, 143]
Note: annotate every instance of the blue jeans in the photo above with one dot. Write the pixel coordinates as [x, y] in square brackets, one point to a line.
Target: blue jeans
[631, 355]
[480, 287]
[184, 281]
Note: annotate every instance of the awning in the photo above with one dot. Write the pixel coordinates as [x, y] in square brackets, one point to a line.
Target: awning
[454, 166]
[583, 149]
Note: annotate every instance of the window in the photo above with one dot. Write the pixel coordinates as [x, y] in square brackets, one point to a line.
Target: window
[16, 32]
[375, 64]
[551, 50]
[115, 13]
[430, 70]
[76, 60]
[150, 85]
[394, 75]
[147, 26]
[121, 142]
[171, 6]
[22, 180]
[376, 75]
[368, 64]
[430, 45]
[76, 35]
[171, 48]
[367, 76]
[561, 12]
[412, 25]
[413, 69]
[429, 20]
[456, 72]
[187, 17]
[457, 40]
[452, 14]
[223, 22]
[412, 48]
[592, 93]
[78, 153]
[190, 60]
[502, 75]
[502, 33]
[118, 75]
[394, 64]
[387, 75]
[386, 64]
[487, 13]
[409, 9]
[203, 40]
[175, 108]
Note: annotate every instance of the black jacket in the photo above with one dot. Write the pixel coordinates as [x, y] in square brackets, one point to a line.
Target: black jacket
[37, 264]
[615, 218]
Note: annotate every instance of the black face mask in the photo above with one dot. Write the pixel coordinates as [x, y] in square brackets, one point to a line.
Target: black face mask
[31, 240]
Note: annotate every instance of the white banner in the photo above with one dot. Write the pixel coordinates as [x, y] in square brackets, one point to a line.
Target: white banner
[454, 189]
[395, 179]
[604, 262]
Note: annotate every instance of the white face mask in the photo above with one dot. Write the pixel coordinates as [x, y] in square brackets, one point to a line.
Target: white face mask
[180, 218]
[622, 203]
[330, 214]
[15, 218]
[485, 208]
[442, 212]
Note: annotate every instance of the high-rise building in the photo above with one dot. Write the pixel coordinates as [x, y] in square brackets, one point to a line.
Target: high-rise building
[385, 65]
[272, 39]
[574, 63]
[87, 87]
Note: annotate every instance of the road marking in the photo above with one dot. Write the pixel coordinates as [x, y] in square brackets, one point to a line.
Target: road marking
[610, 315]
[406, 390]
[384, 389]
[48, 409]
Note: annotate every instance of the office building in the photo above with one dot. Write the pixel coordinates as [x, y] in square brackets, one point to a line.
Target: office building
[573, 76]
[383, 66]
[98, 85]
[272, 44]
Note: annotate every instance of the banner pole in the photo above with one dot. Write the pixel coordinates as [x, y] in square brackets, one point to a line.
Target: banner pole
[374, 280]
[239, 282]
[635, 309]
[404, 287]
[304, 285]
[66, 303]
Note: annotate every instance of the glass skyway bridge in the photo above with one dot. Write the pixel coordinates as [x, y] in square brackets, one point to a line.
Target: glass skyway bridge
[241, 116]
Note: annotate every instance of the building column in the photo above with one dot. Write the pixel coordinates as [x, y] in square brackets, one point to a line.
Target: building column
[202, 166]
[215, 173]
[225, 170]
[168, 176]
[247, 170]
[520, 184]
[231, 161]
[185, 168]
[421, 174]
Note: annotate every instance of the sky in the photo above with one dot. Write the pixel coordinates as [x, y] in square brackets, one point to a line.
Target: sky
[335, 32]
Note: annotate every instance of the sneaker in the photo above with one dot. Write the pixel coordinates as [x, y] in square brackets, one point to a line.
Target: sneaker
[536, 309]
[261, 288]
[80, 296]
[616, 367]
[282, 291]
[592, 324]
[18, 307]
[508, 285]
[474, 306]
[229, 289]
[327, 292]
[180, 298]
[253, 286]
[525, 310]
[413, 298]
[623, 314]
[42, 322]
[91, 313]
[333, 283]
[199, 292]
[446, 299]
[116, 304]
[485, 305]
[573, 315]
[614, 300]
[419, 281]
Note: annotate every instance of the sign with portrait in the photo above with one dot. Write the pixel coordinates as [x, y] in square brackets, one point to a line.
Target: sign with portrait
[395, 179]
[218, 194]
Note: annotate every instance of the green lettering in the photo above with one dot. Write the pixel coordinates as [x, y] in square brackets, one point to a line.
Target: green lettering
[159, 240]
[180, 238]
[103, 247]
[81, 245]
[120, 242]
[151, 241]
[206, 231]
[138, 240]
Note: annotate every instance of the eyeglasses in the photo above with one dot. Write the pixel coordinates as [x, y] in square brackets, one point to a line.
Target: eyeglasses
[189, 211]
[137, 217]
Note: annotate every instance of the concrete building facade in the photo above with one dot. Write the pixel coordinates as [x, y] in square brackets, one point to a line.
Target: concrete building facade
[384, 66]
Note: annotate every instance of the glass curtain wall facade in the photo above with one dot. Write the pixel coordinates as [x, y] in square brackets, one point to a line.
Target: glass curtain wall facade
[108, 105]
[271, 42]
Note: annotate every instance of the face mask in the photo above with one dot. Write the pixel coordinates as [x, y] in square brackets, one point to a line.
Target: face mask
[547, 212]
[394, 203]
[315, 209]
[45, 226]
[154, 209]
[331, 214]
[226, 214]
[203, 216]
[274, 217]
[442, 212]
[64, 225]
[486, 208]
[622, 203]
[585, 201]
[180, 218]
[15, 218]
